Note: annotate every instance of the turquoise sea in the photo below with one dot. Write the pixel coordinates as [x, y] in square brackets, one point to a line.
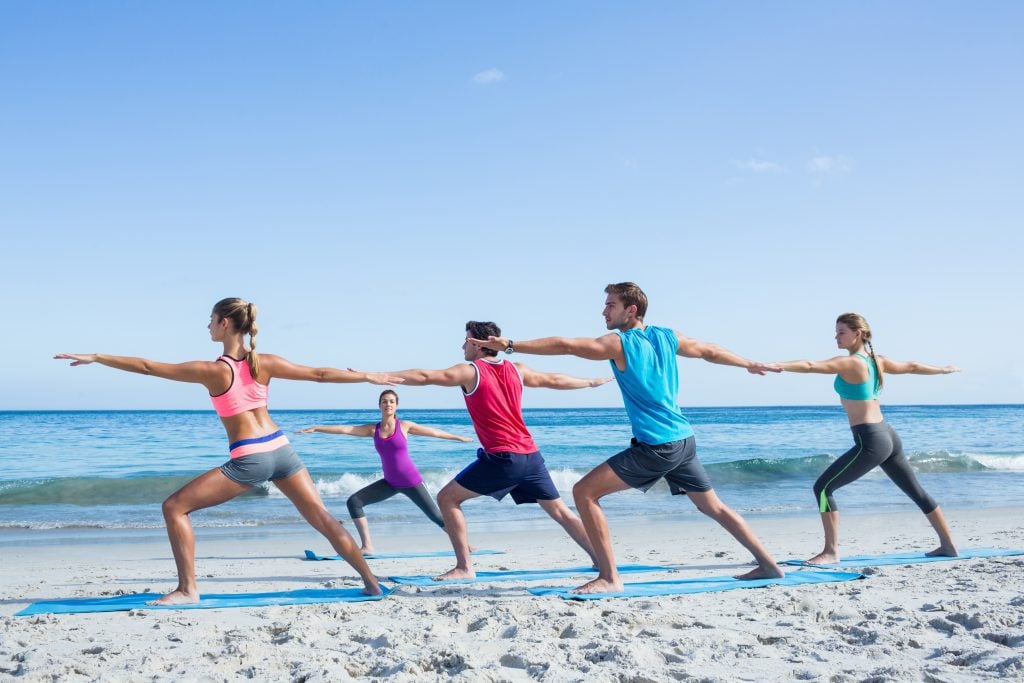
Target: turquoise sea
[111, 469]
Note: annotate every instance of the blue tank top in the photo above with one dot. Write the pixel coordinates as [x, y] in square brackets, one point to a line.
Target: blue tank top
[864, 391]
[650, 384]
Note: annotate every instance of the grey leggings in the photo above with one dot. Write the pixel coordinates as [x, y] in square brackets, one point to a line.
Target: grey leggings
[381, 490]
[878, 445]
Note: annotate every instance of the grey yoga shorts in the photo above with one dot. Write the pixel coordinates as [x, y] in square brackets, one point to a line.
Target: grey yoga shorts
[641, 465]
[256, 468]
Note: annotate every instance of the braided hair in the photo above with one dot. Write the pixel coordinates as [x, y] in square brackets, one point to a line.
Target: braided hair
[242, 315]
[857, 323]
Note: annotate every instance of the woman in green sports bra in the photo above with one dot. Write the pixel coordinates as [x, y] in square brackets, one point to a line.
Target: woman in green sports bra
[859, 378]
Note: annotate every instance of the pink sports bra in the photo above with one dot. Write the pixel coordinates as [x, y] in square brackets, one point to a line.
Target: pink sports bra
[245, 393]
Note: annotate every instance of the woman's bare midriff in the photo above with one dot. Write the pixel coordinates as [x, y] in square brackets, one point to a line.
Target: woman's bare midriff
[251, 424]
[862, 412]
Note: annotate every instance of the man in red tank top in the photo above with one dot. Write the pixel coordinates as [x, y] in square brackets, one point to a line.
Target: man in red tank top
[509, 461]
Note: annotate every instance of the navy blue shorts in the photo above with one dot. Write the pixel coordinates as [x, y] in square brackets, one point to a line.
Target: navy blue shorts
[642, 464]
[497, 474]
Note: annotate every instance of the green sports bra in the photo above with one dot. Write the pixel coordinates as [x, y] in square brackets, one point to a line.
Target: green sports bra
[865, 391]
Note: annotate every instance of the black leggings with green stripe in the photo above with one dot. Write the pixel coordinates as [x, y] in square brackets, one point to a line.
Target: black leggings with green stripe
[877, 445]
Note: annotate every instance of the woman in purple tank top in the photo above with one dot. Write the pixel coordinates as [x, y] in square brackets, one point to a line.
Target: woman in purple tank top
[400, 473]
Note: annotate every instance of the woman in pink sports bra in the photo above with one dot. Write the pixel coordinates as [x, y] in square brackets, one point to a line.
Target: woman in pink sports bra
[390, 438]
[237, 382]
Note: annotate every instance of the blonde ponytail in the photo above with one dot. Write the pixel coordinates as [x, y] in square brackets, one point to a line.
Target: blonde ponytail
[242, 315]
[254, 360]
[879, 380]
[857, 323]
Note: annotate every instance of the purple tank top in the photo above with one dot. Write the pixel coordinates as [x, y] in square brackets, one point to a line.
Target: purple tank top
[399, 470]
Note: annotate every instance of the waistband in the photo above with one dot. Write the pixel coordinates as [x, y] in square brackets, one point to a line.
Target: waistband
[507, 455]
[870, 427]
[636, 442]
[260, 444]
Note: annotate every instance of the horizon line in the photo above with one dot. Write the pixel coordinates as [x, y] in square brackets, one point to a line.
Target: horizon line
[525, 409]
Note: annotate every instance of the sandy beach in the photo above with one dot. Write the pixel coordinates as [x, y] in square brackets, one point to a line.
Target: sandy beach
[947, 621]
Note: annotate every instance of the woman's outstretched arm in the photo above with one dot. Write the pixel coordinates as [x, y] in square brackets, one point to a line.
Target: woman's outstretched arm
[421, 430]
[197, 372]
[276, 366]
[832, 366]
[348, 430]
[913, 367]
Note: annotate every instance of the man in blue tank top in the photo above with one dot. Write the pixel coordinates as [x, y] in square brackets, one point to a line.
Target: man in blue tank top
[643, 360]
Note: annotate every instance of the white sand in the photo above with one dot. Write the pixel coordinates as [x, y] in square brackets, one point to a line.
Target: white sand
[947, 621]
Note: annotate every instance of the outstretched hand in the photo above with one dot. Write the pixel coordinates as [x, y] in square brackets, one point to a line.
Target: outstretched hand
[492, 343]
[379, 378]
[950, 369]
[77, 358]
[307, 430]
[598, 381]
[763, 368]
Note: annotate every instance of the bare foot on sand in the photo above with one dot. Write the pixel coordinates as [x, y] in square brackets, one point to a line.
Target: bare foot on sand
[824, 558]
[943, 551]
[456, 573]
[762, 572]
[367, 550]
[372, 590]
[599, 585]
[178, 597]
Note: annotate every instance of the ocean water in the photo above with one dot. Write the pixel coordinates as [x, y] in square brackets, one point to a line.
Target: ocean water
[112, 469]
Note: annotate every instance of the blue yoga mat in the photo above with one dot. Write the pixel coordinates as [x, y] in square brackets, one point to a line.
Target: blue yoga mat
[310, 555]
[528, 575]
[123, 603]
[703, 585]
[908, 558]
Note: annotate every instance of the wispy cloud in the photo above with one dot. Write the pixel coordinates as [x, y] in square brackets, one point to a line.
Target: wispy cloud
[826, 165]
[489, 76]
[759, 166]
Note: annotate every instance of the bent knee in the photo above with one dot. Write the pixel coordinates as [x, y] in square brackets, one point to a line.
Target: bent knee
[581, 492]
[446, 497]
[174, 506]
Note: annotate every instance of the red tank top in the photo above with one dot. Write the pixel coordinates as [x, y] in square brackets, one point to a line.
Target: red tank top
[496, 408]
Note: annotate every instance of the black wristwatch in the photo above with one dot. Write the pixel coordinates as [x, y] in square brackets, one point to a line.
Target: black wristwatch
[510, 348]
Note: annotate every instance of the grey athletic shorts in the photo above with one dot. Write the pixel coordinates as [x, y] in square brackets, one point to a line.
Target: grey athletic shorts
[641, 465]
[256, 468]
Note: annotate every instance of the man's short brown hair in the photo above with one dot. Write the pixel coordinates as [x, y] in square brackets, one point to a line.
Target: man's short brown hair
[631, 295]
[483, 330]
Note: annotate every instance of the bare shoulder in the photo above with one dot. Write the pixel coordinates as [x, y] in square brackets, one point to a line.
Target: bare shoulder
[466, 369]
[271, 359]
[845, 362]
[883, 360]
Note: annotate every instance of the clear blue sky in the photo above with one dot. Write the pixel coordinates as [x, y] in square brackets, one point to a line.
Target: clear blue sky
[372, 175]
